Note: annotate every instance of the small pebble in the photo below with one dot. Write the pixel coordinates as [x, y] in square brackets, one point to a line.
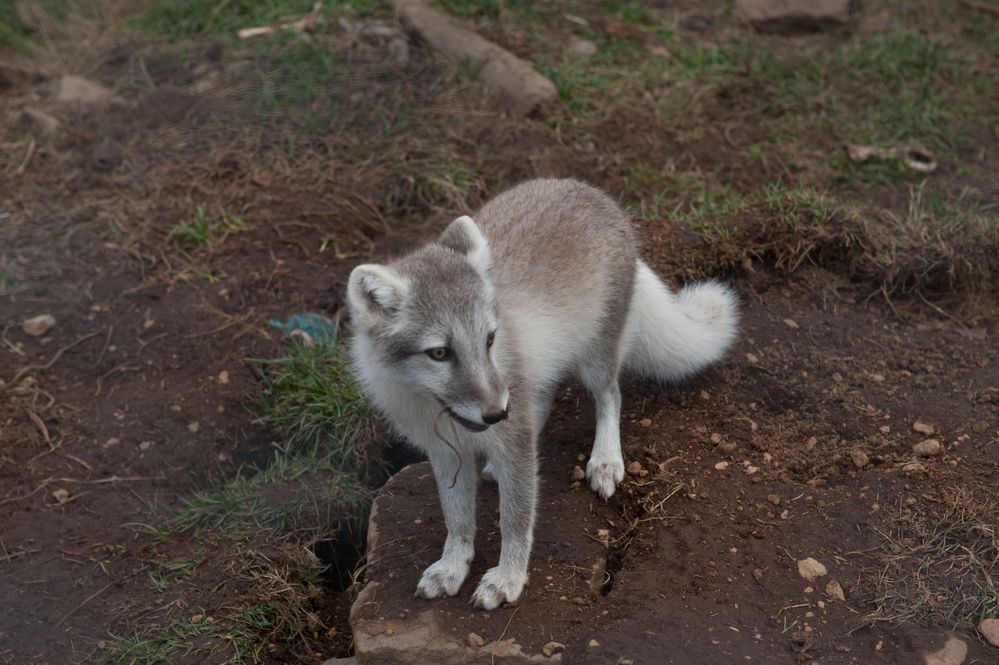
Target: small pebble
[721, 466]
[552, 648]
[716, 438]
[810, 569]
[989, 628]
[475, 640]
[727, 448]
[835, 590]
[859, 458]
[193, 427]
[774, 499]
[145, 445]
[223, 377]
[923, 428]
[645, 422]
[634, 468]
[61, 495]
[593, 643]
[37, 326]
[578, 473]
[928, 448]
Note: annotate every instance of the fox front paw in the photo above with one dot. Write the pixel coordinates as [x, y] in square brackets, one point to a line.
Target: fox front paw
[604, 475]
[444, 577]
[498, 586]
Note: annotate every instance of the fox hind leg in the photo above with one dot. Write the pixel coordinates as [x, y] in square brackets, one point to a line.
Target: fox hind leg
[606, 466]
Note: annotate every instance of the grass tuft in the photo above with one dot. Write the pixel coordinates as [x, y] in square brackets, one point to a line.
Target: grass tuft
[937, 566]
[205, 230]
[312, 397]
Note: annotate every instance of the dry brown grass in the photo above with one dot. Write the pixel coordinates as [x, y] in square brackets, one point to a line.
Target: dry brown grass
[938, 563]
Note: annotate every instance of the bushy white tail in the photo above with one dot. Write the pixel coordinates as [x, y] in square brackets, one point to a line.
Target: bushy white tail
[669, 336]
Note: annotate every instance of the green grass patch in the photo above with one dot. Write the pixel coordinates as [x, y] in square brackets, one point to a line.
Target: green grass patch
[312, 397]
[204, 229]
[309, 490]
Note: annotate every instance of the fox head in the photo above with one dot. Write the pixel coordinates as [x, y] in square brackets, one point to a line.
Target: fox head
[431, 319]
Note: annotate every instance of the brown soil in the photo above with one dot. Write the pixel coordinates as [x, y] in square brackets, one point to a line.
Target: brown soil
[143, 333]
[700, 564]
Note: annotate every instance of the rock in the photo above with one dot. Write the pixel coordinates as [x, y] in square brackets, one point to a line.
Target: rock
[953, 652]
[223, 377]
[928, 448]
[476, 641]
[752, 358]
[727, 448]
[791, 16]
[989, 628]
[41, 122]
[193, 427]
[578, 473]
[593, 643]
[835, 590]
[145, 445]
[716, 438]
[552, 648]
[392, 627]
[645, 422]
[810, 569]
[721, 466]
[38, 325]
[581, 48]
[78, 90]
[913, 467]
[791, 323]
[774, 499]
[859, 458]
[61, 495]
[634, 468]
[758, 574]
[924, 428]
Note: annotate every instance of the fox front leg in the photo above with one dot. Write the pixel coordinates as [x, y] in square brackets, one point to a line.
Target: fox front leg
[446, 576]
[516, 473]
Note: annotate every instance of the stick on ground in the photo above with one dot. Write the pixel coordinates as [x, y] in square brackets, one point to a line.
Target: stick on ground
[520, 88]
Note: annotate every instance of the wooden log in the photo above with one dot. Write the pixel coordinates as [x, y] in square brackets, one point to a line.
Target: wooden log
[519, 88]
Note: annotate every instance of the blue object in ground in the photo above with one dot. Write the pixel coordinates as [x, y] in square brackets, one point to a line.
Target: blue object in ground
[318, 327]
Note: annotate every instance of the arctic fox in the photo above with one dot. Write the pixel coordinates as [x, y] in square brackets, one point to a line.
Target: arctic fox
[478, 328]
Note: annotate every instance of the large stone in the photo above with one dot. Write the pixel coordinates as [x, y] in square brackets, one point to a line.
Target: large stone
[790, 16]
[405, 534]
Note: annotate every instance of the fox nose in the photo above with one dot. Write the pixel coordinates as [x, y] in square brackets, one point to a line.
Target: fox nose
[495, 417]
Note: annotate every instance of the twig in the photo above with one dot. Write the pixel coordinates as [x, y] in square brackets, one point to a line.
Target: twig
[454, 431]
[85, 601]
[27, 158]
[41, 427]
[55, 358]
[492, 654]
[107, 341]
[99, 481]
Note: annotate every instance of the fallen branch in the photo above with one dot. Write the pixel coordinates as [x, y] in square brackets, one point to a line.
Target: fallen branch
[306, 24]
[520, 88]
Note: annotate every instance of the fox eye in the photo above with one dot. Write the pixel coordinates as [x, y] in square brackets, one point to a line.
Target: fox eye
[439, 353]
[490, 338]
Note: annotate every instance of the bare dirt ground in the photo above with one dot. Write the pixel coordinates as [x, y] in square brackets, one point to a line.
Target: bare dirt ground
[860, 320]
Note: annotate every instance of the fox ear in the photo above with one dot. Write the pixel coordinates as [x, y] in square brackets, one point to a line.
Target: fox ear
[375, 292]
[463, 236]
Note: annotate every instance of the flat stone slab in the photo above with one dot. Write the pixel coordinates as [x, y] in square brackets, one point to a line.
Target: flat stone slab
[391, 626]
